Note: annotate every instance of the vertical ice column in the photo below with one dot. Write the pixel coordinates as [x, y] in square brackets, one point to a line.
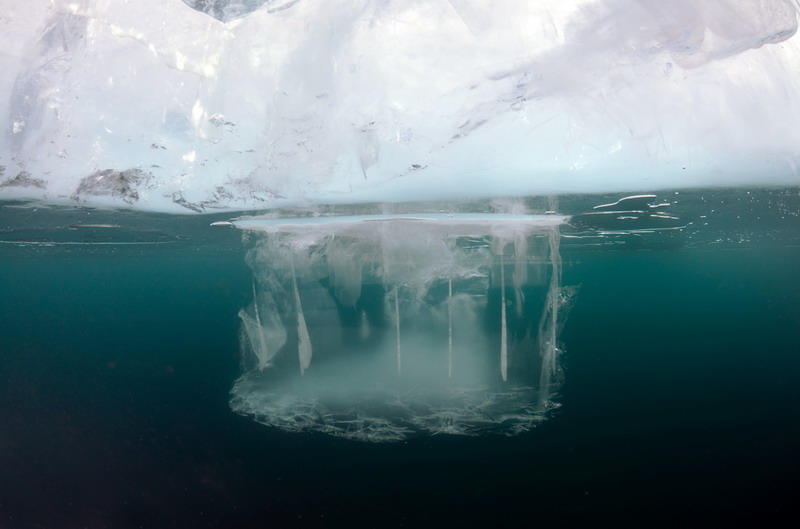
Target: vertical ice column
[303, 339]
[364, 330]
[450, 328]
[520, 268]
[263, 352]
[548, 327]
[397, 328]
[503, 329]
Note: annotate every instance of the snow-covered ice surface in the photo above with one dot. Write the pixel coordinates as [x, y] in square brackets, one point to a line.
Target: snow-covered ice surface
[249, 104]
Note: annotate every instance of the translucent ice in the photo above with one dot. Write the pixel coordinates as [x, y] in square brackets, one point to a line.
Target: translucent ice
[438, 328]
[254, 103]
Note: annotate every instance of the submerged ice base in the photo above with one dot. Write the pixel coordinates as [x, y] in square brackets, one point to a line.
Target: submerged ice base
[377, 328]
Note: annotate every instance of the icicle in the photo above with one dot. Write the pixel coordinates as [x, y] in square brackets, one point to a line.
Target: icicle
[263, 352]
[520, 269]
[450, 328]
[548, 327]
[364, 330]
[503, 329]
[303, 339]
[397, 325]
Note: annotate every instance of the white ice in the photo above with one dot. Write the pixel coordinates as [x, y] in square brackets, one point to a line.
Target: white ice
[154, 105]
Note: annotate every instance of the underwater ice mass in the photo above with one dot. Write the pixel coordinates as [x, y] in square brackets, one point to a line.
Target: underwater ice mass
[199, 105]
[378, 328]
[382, 327]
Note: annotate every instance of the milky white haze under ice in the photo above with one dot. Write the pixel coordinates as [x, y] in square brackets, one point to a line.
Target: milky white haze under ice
[155, 105]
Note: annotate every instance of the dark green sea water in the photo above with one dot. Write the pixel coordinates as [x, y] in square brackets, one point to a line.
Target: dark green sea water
[680, 405]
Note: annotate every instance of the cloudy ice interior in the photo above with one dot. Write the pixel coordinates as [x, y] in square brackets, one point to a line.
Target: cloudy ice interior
[378, 328]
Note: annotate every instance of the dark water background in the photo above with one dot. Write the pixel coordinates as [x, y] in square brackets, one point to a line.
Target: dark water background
[679, 408]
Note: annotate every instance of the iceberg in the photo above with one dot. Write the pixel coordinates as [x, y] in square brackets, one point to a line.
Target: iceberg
[251, 104]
